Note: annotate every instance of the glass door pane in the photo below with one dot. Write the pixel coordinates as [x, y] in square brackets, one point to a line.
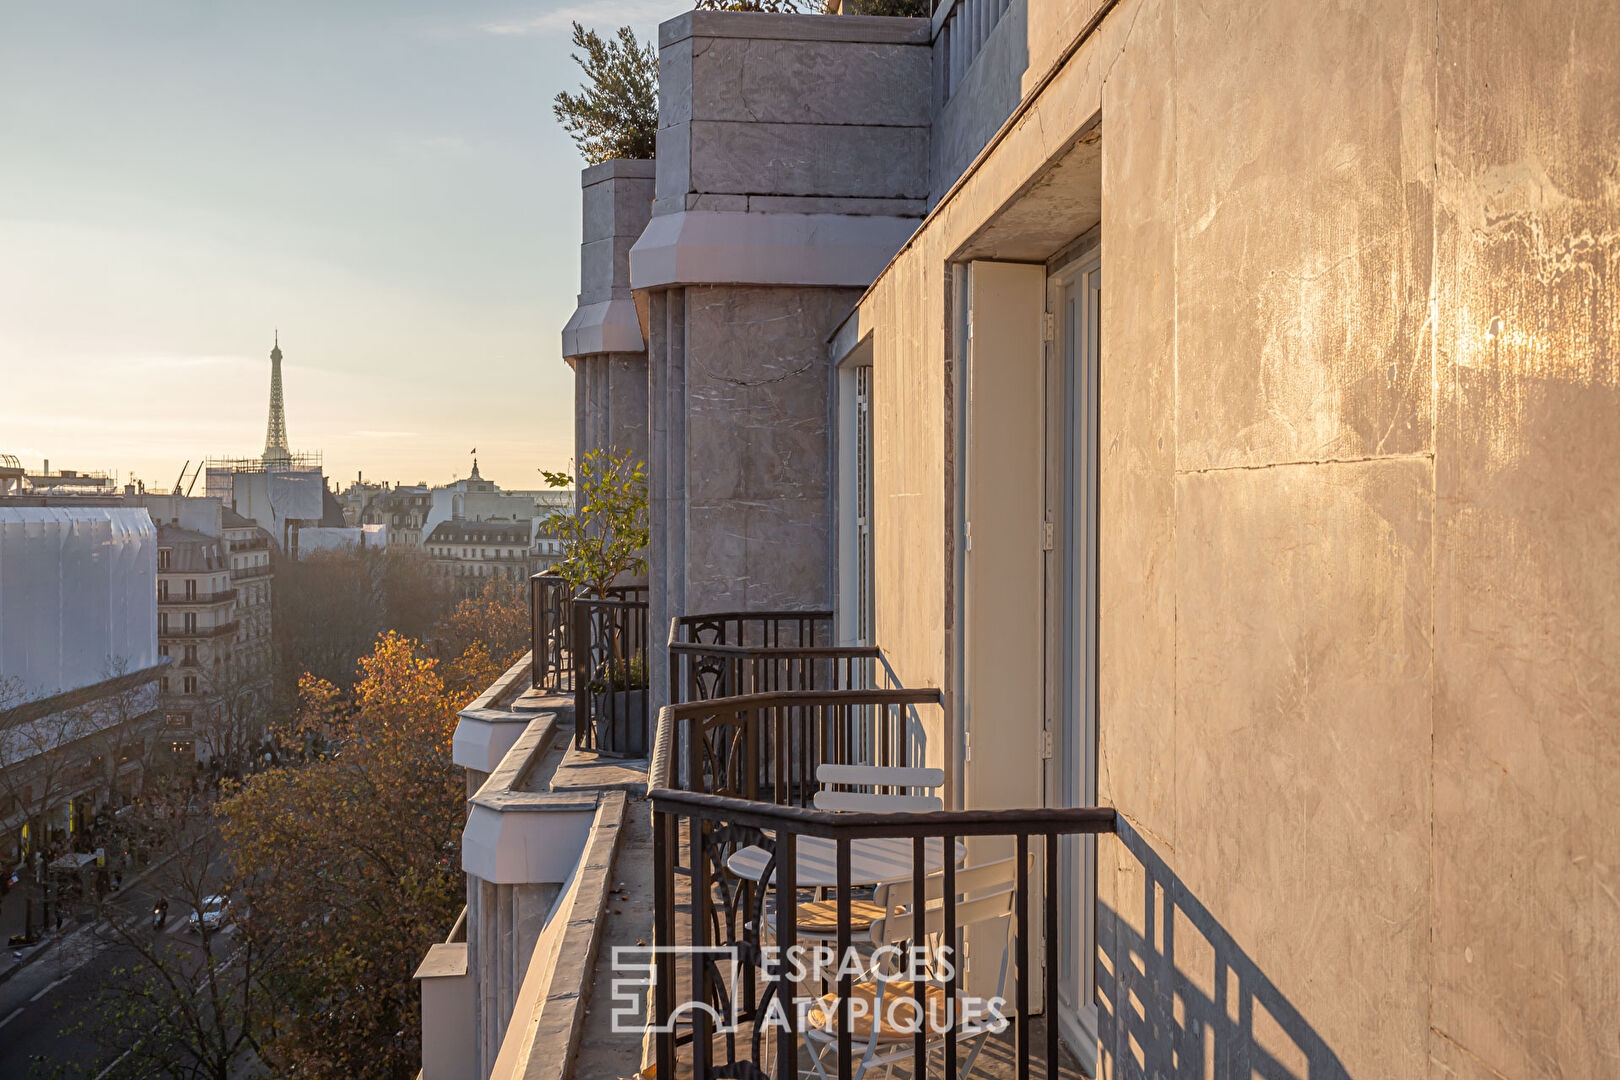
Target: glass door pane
[1078, 296]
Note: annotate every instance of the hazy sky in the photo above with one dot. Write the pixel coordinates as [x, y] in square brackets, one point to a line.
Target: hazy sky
[381, 179]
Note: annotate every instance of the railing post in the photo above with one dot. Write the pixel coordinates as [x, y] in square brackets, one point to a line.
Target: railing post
[1021, 956]
[787, 933]
[846, 980]
[664, 840]
[947, 850]
[580, 654]
[701, 1033]
[1049, 903]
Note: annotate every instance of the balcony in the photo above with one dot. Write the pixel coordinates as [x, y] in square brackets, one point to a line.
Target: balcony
[199, 631]
[594, 648]
[196, 599]
[730, 653]
[733, 785]
[251, 573]
[763, 704]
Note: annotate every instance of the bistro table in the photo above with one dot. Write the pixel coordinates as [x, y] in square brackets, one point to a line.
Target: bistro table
[871, 860]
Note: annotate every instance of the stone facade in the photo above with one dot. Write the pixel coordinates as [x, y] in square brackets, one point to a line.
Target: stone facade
[603, 342]
[1354, 475]
[1354, 498]
[791, 164]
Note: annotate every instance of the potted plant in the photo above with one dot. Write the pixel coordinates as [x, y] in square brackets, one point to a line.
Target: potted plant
[603, 540]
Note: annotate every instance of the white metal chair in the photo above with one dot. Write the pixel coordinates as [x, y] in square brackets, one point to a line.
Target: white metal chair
[892, 788]
[883, 1006]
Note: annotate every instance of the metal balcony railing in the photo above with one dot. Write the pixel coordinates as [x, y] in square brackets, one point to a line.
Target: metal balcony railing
[735, 776]
[748, 652]
[181, 599]
[172, 631]
[608, 648]
[961, 27]
[550, 616]
[595, 648]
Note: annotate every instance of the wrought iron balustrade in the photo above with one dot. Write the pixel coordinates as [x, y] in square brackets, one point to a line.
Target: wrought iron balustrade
[738, 773]
[173, 631]
[179, 599]
[595, 648]
[732, 653]
[608, 651]
[551, 622]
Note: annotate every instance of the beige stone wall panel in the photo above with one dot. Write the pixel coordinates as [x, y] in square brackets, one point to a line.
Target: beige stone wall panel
[1303, 675]
[1304, 224]
[754, 80]
[1527, 771]
[1137, 495]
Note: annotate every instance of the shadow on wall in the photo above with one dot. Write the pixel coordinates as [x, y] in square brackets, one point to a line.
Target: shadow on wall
[1222, 1018]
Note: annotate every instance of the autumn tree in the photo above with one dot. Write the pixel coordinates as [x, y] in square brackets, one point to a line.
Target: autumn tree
[483, 637]
[350, 866]
[331, 605]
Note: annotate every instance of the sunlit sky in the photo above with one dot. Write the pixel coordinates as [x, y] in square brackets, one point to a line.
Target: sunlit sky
[382, 181]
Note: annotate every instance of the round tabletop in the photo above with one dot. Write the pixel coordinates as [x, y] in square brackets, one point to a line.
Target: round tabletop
[871, 860]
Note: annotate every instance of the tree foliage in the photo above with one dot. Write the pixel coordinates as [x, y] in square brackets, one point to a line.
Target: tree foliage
[330, 606]
[605, 536]
[351, 866]
[615, 113]
[914, 9]
[483, 637]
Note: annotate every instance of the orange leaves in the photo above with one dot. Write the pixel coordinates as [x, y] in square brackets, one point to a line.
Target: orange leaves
[352, 863]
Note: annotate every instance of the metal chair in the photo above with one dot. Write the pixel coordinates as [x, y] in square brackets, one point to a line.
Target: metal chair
[884, 1007]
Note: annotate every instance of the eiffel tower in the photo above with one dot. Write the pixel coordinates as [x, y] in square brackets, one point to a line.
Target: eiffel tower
[275, 439]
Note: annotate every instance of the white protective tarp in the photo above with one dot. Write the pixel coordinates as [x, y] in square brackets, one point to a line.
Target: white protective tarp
[78, 595]
[273, 498]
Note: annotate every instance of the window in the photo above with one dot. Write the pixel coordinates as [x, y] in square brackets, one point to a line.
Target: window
[163, 650]
[191, 654]
[190, 684]
[191, 589]
[163, 622]
[191, 622]
[856, 587]
[163, 591]
[163, 558]
[163, 685]
[865, 604]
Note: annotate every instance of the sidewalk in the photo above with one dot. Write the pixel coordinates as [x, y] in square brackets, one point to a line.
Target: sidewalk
[13, 915]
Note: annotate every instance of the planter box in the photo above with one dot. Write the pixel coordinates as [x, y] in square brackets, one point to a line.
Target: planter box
[620, 722]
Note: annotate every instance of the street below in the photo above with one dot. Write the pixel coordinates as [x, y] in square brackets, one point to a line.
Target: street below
[42, 1004]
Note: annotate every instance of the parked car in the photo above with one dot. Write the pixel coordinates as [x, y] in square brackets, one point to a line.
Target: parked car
[211, 916]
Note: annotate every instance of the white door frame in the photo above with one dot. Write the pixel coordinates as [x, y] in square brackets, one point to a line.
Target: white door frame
[1073, 306]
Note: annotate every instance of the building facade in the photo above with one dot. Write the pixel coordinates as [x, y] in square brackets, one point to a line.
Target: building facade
[403, 509]
[197, 631]
[79, 672]
[1211, 404]
[468, 554]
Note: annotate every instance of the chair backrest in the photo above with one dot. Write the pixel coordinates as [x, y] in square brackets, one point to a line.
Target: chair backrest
[996, 889]
[969, 881]
[899, 782]
[989, 887]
